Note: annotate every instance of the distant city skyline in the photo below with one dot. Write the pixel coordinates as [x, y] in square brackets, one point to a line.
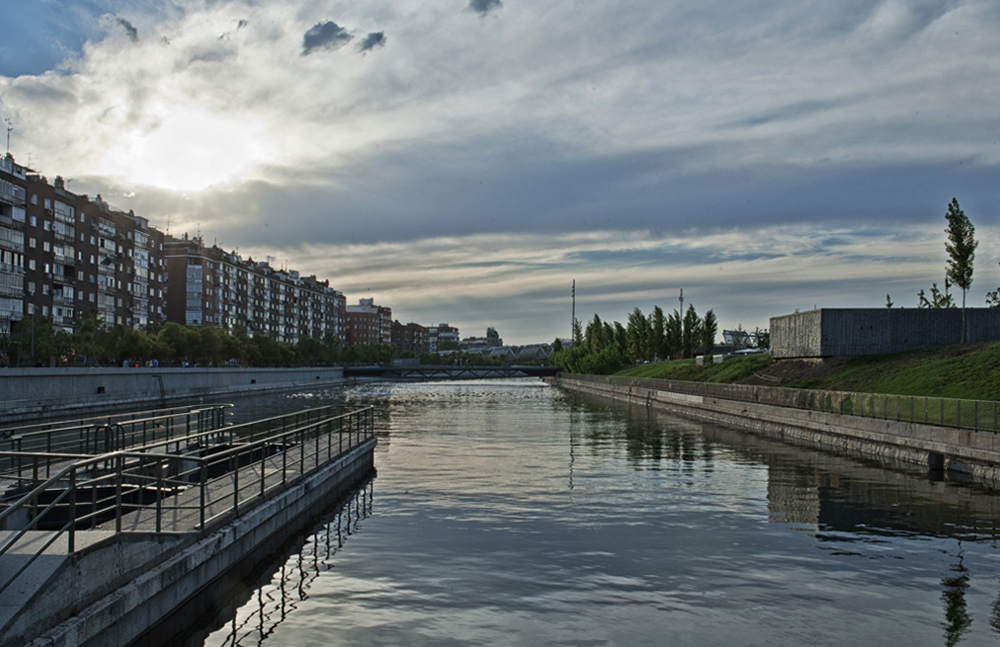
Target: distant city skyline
[465, 162]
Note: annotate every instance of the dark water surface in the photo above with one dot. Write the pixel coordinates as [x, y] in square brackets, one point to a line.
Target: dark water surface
[512, 513]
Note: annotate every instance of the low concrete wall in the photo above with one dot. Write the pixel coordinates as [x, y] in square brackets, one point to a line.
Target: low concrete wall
[974, 455]
[27, 392]
[129, 582]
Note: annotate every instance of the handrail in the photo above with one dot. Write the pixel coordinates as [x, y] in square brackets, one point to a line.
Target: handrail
[162, 473]
[977, 415]
[77, 434]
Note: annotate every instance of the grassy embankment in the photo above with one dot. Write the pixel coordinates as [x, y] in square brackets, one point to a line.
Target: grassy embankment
[970, 371]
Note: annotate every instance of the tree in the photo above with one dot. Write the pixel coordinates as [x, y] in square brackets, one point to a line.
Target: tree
[961, 248]
[674, 334]
[691, 332]
[709, 328]
[938, 299]
[658, 324]
[638, 336]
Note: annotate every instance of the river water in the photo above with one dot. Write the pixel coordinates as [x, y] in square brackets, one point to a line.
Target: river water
[513, 513]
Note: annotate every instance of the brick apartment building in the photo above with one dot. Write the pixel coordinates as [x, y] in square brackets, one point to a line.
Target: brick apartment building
[368, 323]
[208, 286]
[411, 337]
[68, 257]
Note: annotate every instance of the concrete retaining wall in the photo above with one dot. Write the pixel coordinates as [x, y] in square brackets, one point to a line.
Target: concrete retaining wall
[27, 392]
[828, 332]
[971, 454]
[117, 604]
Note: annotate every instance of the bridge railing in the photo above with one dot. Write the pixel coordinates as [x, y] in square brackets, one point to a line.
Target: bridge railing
[976, 415]
[157, 491]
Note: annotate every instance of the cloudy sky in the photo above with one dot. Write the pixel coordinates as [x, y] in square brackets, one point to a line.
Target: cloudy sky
[466, 160]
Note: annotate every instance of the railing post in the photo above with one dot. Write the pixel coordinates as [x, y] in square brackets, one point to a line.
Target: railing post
[159, 494]
[236, 485]
[118, 494]
[72, 511]
[203, 477]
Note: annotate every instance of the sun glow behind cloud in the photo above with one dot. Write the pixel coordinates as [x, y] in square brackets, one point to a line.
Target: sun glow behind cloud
[187, 149]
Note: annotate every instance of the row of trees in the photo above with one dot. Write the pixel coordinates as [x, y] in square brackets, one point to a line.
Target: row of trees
[604, 347]
[38, 343]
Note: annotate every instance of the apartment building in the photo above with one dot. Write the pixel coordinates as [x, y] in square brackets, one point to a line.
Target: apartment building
[13, 179]
[368, 323]
[411, 337]
[442, 334]
[78, 257]
[208, 286]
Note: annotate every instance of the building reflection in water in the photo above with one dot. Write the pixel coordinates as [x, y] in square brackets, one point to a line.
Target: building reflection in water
[261, 609]
[840, 501]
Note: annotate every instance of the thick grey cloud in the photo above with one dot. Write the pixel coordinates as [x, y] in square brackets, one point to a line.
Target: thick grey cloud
[324, 35]
[371, 41]
[483, 7]
[130, 30]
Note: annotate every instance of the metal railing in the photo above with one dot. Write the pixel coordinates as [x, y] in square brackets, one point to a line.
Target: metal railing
[977, 415]
[157, 491]
[103, 434]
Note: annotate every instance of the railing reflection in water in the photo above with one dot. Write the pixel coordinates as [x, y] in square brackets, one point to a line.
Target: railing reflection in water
[256, 613]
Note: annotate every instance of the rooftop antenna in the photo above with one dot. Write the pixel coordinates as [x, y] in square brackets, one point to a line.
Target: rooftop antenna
[168, 225]
[10, 127]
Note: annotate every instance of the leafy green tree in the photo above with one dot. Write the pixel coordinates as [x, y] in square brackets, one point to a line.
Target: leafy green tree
[658, 330]
[763, 338]
[961, 248]
[577, 333]
[691, 332]
[637, 331]
[709, 328]
[938, 299]
[594, 335]
[674, 334]
[621, 339]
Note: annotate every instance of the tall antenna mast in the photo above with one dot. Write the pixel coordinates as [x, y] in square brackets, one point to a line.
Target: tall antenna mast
[682, 303]
[572, 331]
[10, 127]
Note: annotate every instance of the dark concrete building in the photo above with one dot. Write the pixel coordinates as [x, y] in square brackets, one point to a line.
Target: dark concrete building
[829, 332]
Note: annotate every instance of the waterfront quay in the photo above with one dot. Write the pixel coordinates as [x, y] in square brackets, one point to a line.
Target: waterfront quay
[960, 438]
[28, 394]
[98, 546]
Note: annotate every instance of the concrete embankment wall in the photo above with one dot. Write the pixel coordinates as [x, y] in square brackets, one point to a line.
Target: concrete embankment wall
[164, 571]
[971, 454]
[39, 392]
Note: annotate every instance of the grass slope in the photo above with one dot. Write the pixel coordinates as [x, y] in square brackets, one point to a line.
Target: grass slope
[685, 369]
[970, 371]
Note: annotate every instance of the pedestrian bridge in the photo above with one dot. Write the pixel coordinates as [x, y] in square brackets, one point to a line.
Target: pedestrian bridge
[446, 372]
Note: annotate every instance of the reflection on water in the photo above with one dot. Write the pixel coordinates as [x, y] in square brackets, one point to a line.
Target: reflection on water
[256, 612]
[512, 513]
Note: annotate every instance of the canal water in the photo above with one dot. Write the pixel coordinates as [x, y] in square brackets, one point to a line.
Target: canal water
[513, 513]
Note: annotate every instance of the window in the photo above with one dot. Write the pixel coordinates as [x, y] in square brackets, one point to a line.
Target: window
[31, 264]
[32, 243]
[34, 221]
[45, 246]
[48, 225]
